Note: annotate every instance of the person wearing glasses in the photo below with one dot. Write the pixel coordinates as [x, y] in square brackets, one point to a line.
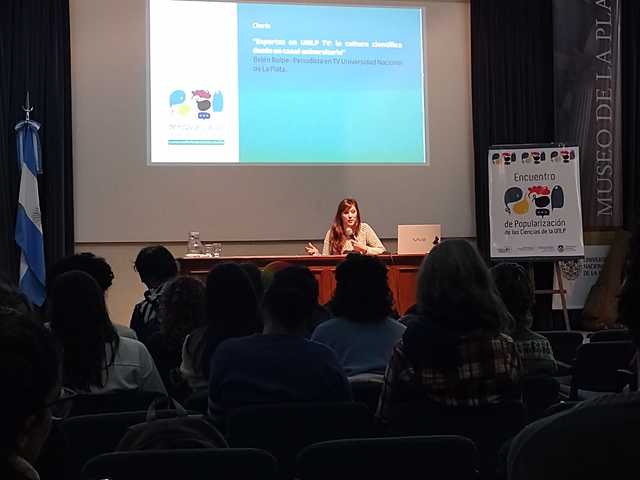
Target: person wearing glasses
[30, 376]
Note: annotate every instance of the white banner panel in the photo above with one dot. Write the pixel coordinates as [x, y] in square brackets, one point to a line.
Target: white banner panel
[534, 203]
[578, 276]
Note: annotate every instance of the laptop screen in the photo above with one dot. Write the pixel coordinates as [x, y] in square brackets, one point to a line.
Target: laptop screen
[418, 239]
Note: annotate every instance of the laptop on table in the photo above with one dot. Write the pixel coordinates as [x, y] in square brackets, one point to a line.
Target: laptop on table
[418, 239]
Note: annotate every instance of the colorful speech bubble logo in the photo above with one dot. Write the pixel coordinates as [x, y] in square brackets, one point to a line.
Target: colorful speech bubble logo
[557, 197]
[217, 101]
[511, 195]
[176, 98]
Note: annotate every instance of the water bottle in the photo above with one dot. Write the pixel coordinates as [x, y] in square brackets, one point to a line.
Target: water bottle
[194, 246]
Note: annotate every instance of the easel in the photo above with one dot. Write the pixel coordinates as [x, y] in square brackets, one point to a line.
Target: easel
[559, 291]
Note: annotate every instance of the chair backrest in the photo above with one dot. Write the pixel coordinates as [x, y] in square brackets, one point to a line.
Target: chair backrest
[198, 401]
[285, 429]
[564, 343]
[539, 392]
[611, 335]
[112, 402]
[418, 457]
[366, 389]
[597, 364]
[489, 427]
[89, 435]
[197, 464]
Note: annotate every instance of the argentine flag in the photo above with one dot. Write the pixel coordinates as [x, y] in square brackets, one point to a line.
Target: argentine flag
[29, 219]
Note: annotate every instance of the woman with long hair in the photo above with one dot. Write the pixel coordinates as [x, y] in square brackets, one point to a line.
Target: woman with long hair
[348, 233]
[181, 311]
[95, 358]
[455, 352]
[231, 311]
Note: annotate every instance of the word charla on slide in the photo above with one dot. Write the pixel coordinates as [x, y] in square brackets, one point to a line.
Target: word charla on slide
[285, 84]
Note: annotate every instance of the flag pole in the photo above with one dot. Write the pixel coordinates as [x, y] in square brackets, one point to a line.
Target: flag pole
[27, 108]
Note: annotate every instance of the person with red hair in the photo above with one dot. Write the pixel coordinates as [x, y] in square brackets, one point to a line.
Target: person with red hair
[348, 234]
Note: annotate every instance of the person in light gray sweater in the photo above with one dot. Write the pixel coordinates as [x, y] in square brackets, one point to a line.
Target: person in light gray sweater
[362, 334]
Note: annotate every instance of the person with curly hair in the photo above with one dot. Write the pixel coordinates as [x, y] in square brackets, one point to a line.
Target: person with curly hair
[362, 333]
[182, 310]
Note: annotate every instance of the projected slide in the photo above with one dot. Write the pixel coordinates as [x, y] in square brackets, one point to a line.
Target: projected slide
[285, 84]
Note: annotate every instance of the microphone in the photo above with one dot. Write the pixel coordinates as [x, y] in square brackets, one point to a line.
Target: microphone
[351, 236]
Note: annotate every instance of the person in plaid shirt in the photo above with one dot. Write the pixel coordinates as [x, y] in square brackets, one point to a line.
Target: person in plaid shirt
[453, 353]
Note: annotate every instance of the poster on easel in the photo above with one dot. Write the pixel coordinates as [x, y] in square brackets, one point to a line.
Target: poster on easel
[534, 202]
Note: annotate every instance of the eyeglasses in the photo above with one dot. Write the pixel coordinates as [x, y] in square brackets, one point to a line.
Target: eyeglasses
[61, 407]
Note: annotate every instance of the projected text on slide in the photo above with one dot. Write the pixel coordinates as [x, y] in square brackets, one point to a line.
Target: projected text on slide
[285, 84]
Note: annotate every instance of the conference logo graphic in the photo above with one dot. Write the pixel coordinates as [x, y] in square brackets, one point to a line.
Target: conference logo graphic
[534, 156]
[200, 105]
[540, 198]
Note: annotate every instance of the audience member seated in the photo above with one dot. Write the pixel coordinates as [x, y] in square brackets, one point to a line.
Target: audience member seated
[320, 313]
[255, 275]
[30, 379]
[156, 266]
[96, 267]
[596, 438]
[455, 354]
[232, 310]
[96, 359]
[279, 366]
[182, 310]
[514, 286]
[362, 334]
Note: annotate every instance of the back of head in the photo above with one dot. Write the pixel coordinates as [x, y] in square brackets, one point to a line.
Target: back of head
[291, 298]
[362, 292]
[182, 309]
[255, 275]
[12, 299]
[514, 286]
[155, 265]
[79, 319]
[232, 310]
[29, 372]
[455, 290]
[96, 267]
[270, 270]
[232, 305]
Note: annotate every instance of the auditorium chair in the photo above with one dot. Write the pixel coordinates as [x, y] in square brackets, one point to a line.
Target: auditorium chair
[409, 458]
[86, 436]
[285, 429]
[489, 427]
[112, 402]
[196, 464]
[611, 335]
[539, 392]
[601, 367]
[564, 344]
[366, 389]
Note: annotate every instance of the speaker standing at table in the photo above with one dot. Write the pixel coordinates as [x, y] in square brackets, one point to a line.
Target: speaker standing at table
[348, 234]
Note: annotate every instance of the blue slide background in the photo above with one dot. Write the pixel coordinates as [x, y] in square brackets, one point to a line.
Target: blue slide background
[327, 113]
